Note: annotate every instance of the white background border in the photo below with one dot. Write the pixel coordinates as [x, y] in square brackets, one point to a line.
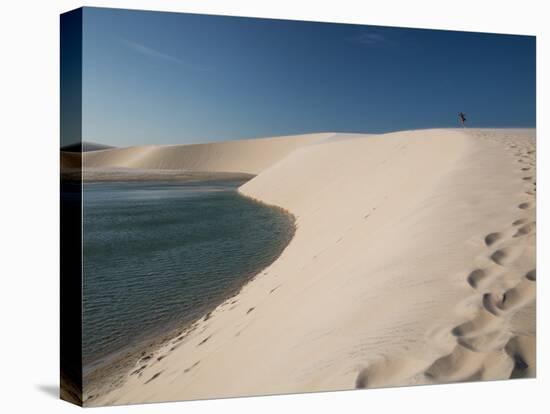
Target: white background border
[29, 262]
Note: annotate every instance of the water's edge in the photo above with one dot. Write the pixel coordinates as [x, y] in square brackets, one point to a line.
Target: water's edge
[114, 372]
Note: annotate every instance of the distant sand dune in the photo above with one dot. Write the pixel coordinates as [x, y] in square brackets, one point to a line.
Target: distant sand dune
[243, 156]
[413, 262]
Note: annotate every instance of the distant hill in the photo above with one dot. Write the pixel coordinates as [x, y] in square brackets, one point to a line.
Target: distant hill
[86, 147]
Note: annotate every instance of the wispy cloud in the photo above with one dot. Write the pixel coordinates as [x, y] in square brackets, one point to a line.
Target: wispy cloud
[156, 54]
[371, 38]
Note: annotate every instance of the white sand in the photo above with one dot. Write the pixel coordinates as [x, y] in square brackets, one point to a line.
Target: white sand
[244, 156]
[413, 263]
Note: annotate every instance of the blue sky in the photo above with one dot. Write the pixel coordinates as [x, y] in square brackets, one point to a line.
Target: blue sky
[161, 78]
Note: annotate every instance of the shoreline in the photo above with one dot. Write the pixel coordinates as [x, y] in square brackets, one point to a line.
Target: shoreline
[102, 175]
[116, 368]
[377, 252]
[97, 175]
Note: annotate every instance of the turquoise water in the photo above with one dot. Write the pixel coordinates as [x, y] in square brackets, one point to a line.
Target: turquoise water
[157, 255]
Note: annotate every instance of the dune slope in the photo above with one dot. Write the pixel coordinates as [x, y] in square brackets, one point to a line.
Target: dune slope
[244, 156]
[413, 263]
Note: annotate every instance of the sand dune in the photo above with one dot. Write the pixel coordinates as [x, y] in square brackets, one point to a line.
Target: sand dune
[413, 263]
[243, 156]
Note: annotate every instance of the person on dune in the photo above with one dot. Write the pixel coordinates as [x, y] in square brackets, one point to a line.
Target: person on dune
[462, 119]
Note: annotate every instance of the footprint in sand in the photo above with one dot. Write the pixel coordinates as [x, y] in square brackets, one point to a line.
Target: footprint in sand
[483, 323]
[500, 257]
[519, 222]
[522, 351]
[386, 371]
[481, 279]
[531, 275]
[476, 277]
[523, 293]
[525, 229]
[492, 238]
[490, 304]
[484, 343]
[362, 379]
[526, 206]
[506, 255]
[460, 365]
